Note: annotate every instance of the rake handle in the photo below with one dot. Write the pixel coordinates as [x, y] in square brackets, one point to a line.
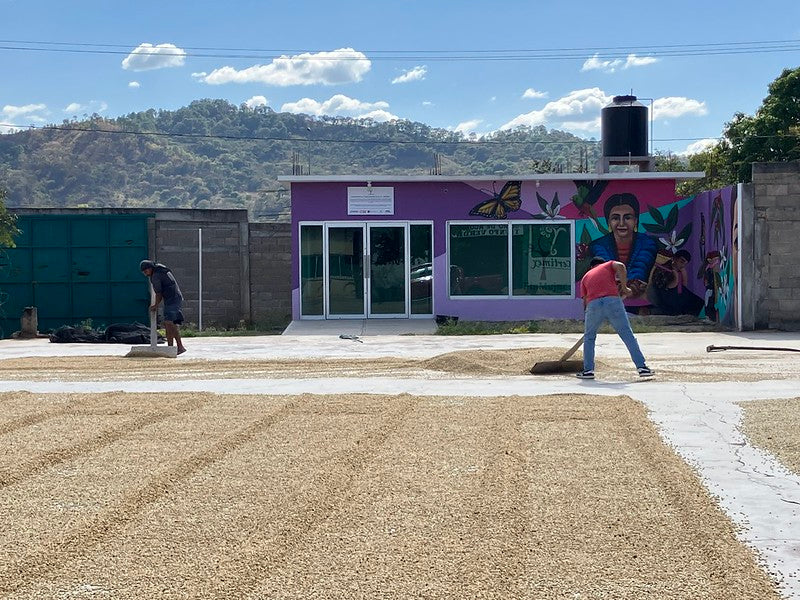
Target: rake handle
[572, 350]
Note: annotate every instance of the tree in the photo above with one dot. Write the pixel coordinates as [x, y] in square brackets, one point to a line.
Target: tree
[668, 162]
[773, 133]
[715, 162]
[8, 223]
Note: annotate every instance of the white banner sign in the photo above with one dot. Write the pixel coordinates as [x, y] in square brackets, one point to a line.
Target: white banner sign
[370, 200]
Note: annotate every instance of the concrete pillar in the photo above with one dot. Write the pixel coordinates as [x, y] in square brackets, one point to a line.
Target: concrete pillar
[29, 323]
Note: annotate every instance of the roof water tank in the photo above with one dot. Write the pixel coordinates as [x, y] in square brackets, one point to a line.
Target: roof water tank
[623, 125]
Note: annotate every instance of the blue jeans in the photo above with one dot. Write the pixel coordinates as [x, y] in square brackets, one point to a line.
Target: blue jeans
[597, 312]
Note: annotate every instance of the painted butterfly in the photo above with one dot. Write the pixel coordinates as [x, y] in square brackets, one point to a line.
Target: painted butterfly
[501, 204]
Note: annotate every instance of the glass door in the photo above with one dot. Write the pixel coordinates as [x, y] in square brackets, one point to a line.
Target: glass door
[387, 274]
[345, 277]
[377, 269]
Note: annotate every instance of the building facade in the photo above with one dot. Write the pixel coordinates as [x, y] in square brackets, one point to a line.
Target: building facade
[510, 249]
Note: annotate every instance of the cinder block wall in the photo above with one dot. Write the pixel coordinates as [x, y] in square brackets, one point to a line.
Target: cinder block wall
[226, 281]
[270, 271]
[776, 214]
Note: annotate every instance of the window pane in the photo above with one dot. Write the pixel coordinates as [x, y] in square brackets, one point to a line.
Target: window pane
[387, 270]
[421, 270]
[311, 270]
[542, 264]
[346, 270]
[479, 260]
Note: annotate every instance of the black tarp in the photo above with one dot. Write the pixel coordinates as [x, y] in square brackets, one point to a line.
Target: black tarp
[117, 333]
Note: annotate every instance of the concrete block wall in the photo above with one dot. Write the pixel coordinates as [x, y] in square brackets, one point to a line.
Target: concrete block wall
[270, 270]
[225, 281]
[776, 229]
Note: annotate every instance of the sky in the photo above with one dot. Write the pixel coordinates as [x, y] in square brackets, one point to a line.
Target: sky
[467, 65]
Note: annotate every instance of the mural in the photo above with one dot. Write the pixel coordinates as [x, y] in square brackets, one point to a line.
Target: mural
[679, 261]
[680, 252]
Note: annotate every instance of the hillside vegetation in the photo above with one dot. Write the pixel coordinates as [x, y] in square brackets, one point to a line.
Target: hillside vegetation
[212, 154]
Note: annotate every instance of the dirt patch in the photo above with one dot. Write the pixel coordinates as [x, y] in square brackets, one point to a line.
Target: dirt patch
[357, 496]
[772, 425]
[743, 366]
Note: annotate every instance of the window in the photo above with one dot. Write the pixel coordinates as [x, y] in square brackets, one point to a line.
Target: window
[542, 262]
[311, 270]
[536, 257]
[479, 260]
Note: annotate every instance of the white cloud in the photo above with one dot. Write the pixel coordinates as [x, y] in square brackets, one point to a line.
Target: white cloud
[134, 84]
[15, 112]
[699, 146]
[147, 57]
[256, 101]
[415, 74]
[11, 116]
[578, 110]
[595, 64]
[93, 106]
[468, 127]
[341, 105]
[677, 106]
[200, 76]
[639, 61]
[427, 103]
[344, 65]
[588, 126]
[532, 93]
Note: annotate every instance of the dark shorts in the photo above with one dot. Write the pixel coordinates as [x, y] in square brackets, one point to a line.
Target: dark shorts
[172, 311]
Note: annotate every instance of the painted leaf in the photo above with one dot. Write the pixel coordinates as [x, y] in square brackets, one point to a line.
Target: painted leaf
[672, 218]
[651, 228]
[555, 204]
[542, 202]
[597, 189]
[683, 236]
[657, 217]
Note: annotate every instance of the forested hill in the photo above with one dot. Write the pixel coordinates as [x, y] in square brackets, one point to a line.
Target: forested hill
[212, 154]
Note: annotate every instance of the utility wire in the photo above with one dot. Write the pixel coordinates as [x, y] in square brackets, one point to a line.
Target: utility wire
[427, 55]
[427, 51]
[325, 140]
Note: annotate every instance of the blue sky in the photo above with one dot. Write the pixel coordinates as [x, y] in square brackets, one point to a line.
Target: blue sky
[466, 65]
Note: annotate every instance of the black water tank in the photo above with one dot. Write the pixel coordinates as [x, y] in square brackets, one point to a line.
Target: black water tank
[623, 126]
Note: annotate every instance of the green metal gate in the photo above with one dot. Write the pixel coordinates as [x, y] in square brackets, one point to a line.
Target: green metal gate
[73, 268]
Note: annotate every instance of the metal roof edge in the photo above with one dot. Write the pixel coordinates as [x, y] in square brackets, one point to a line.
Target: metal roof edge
[365, 177]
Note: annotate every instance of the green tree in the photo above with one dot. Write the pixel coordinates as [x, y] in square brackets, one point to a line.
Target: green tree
[715, 163]
[773, 133]
[8, 223]
[668, 162]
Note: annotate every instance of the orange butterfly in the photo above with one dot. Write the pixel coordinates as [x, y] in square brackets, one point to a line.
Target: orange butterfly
[501, 204]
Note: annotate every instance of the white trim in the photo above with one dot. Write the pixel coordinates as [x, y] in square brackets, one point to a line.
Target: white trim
[366, 177]
[366, 225]
[510, 245]
[300, 226]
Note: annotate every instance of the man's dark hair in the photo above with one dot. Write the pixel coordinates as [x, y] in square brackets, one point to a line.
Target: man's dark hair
[596, 260]
[684, 254]
[147, 264]
[621, 200]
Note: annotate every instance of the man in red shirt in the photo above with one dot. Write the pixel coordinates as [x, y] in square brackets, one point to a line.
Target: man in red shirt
[600, 289]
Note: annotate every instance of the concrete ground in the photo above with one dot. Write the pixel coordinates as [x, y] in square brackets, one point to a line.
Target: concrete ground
[699, 419]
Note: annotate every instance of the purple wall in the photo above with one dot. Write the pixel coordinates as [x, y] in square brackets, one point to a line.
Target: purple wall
[439, 202]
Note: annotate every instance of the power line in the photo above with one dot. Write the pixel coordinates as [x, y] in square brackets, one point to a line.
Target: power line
[324, 140]
[611, 52]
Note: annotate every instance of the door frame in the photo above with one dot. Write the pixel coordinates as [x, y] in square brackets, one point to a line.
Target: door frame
[367, 287]
[406, 270]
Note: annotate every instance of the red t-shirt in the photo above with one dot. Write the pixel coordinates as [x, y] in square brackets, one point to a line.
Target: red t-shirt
[599, 282]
